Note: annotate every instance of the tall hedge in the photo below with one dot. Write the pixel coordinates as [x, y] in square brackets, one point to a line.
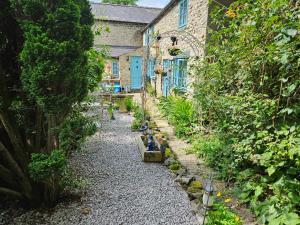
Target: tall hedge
[44, 72]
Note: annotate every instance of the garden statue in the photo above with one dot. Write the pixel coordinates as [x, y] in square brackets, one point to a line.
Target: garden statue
[151, 143]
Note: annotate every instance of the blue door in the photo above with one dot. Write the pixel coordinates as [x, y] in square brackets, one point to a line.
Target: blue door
[166, 78]
[136, 72]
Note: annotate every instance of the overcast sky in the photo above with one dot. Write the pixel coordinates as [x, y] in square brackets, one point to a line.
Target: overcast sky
[152, 3]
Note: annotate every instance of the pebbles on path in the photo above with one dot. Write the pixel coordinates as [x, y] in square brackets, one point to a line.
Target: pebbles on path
[122, 189]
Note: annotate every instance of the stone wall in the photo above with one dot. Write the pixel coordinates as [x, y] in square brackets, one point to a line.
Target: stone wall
[119, 34]
[196, 25]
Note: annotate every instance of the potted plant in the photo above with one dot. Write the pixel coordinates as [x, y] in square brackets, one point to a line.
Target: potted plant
[174, 51]
[158, 70]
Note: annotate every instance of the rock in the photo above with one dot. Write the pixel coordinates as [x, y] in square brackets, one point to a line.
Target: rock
[196, 206]
[168, 161]
[186, 180]
[181, 171]
[85, 211]
[194, 195]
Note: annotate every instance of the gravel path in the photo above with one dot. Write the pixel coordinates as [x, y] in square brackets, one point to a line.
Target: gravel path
[122, 189]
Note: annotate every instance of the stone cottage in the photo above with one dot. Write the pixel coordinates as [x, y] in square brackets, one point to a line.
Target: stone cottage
[140, 40]
[175, 38]
[121, 34]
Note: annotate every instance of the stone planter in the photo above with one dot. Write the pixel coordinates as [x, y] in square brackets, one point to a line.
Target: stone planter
[151, 156]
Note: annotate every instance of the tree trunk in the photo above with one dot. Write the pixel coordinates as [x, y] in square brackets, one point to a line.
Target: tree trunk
[16, 140]
[51, 187]
[7, 176]
[11, 193]
[39, 129]
[15, 168]
[52, 142]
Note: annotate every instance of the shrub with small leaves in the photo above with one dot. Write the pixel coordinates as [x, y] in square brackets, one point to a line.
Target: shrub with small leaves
[43, 166]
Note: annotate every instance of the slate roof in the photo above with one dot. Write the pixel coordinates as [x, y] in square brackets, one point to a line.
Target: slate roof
[117, 51]
[122, 13]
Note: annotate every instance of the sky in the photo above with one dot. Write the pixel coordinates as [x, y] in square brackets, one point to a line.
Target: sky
[151, 3]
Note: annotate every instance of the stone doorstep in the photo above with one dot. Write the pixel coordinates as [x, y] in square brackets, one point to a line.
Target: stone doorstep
[191, 162]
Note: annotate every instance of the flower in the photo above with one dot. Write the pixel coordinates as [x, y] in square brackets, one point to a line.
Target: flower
[230, 13]
[227, 200]
[237, 218]
[219, 194]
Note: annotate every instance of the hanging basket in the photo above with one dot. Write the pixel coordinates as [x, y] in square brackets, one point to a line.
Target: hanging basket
[174, 51]
[158, 70]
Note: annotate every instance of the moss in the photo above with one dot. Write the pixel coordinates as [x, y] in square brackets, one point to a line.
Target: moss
[195, 186]
[174, 167]
[168, 153]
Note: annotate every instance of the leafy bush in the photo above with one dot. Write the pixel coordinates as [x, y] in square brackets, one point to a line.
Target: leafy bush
[74, 131]
[43, 166]
[180, 112]
[72, 181]
[129, 104]
[222, 215]
[138, 115]
[150, 90]
[248, 95]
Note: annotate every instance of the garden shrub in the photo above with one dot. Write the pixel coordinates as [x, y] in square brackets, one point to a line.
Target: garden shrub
[222, 215]
[248, 96]
[74, 131]
[129, 104]
[71, 180]
[43, 166]
[180, 112]
[138, 115]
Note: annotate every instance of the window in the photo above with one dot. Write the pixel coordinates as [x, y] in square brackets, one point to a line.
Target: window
[148, 36]
[151, 68]
[183, 13]
[180, 74]
[115, 69]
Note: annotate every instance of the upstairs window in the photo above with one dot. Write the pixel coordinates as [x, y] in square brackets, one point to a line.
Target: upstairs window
[115, 69]
[183, 13]
[148, 36]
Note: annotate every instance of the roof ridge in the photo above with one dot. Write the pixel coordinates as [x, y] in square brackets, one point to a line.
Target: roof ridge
[132, 6]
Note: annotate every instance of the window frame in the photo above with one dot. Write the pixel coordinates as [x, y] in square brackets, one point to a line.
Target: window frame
[115, 70]
[183, 13]
[180, 76]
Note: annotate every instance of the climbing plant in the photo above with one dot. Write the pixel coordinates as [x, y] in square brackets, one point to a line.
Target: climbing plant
[248, 96]
[45, 70]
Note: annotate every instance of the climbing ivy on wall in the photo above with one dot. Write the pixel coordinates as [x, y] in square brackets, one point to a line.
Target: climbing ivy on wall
[248, 96]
